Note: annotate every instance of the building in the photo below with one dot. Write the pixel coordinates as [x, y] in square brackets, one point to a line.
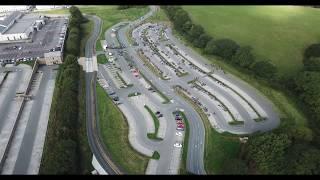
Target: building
[6, 9]
[46, 8]
[19, 27]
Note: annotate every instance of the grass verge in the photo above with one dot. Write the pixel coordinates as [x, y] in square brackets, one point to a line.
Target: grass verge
[102, 59]
[165, 98]
[114, 130]
[30, 63]
[156, 155]
[156, 124]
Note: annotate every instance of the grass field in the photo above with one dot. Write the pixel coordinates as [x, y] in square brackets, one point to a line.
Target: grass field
[279, 33]
[114, 130]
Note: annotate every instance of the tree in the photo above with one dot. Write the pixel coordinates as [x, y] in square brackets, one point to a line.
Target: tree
[267, 151]
[224, 48]
[234, 167]
[76, 15]
[180, 18]
[303, 159]
[243, 57]
[312, 51]
[194, 32]
[307, 88]
[301, 134]
[210, 47]
[186, 26]
[264, 69]
[202, 41]
[312, 63]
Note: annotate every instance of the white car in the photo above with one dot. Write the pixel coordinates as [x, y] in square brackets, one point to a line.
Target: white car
[178, 133]
[178, 145]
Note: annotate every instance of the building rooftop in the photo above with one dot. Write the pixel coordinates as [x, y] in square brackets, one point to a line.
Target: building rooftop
[11, 17]
[22, 24]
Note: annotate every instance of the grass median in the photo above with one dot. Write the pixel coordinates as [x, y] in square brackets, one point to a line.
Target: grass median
[156, 124]
[164, 97]
[102, 59]
[114, 130]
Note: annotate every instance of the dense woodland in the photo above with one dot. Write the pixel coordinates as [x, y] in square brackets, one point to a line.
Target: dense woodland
[289, 149]
[62, 148]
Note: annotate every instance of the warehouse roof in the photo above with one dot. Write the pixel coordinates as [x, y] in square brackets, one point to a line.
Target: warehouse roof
[22, 24]
[11, 17]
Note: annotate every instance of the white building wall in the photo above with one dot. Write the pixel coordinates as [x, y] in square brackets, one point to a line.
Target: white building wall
[12, 37]
[4, 9]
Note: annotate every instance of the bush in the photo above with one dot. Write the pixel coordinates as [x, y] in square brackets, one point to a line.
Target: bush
[312, 64]
[264, 69]
[312, 51]
[243, 57]
[224, 48]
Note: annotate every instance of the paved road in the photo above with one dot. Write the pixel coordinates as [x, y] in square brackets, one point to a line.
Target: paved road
[28, 142]
[93, 130]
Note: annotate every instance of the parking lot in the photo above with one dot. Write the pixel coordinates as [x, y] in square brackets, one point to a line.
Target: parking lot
[49, 38]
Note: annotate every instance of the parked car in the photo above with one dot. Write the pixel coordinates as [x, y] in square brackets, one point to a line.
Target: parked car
[180, 125]
[179, 122]
[178, 133]
[177, 144]
[180, 129]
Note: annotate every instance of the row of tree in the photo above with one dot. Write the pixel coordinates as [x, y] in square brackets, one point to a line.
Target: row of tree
[61, 153]
[227, 49]
[294, 149]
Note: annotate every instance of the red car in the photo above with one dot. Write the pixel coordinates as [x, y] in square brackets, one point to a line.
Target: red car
[179, 122]
[180, 125]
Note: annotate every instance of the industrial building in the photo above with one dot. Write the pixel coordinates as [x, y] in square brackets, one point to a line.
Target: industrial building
[17, 27]
[31, 36]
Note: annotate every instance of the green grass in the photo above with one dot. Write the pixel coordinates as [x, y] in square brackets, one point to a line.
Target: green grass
[279, 33]
[156, 155]
[156, 124]
[158, 16]
[102, 59]
[218, 147]
[30, 63]
[236, 122]
[110, 16]
[114, 130]
[55, 11]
